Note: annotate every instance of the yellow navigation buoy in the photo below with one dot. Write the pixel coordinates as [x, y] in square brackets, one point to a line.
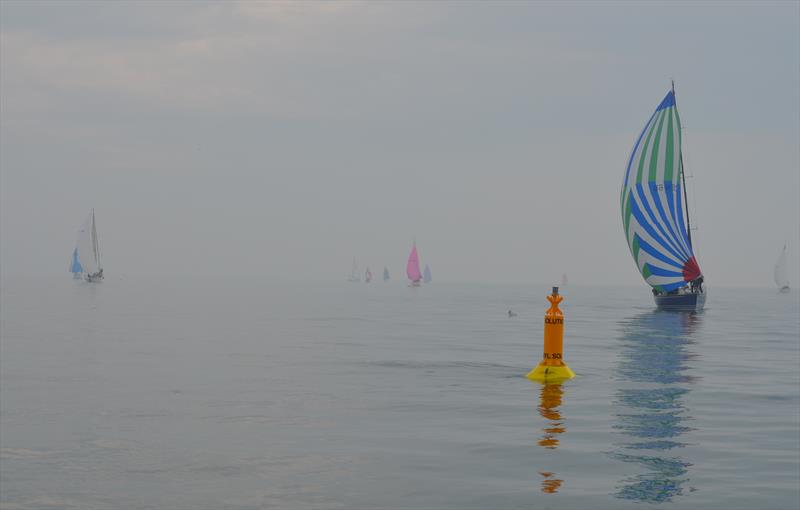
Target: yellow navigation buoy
[552, 366]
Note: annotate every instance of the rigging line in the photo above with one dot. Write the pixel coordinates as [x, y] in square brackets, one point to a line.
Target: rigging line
[694, 190]
[683, 173]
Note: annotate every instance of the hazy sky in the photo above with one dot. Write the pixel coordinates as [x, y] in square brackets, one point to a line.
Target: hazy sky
[282, 139]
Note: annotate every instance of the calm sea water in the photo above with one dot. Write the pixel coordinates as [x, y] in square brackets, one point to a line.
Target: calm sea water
[233, 394]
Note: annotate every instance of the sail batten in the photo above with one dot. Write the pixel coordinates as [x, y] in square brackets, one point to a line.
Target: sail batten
[652, 203]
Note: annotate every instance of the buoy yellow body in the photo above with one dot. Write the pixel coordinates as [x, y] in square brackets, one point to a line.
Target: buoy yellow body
[552, 366]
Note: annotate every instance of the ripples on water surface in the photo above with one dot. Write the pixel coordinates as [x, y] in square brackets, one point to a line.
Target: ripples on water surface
[234, 394]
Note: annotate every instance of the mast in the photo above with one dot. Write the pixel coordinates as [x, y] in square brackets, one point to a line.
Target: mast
[683, 176]
[95, 242]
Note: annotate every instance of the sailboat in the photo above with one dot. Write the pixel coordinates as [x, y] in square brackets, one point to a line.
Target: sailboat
[75, 266]
[368, 275]
[564, 280]
[385, 274]
[781, 273]
[426, 275]
[87, 251]
[653, 203]
[354, 273]
[412, 267]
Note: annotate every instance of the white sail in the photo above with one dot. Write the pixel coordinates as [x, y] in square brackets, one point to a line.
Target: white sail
[354, 272]
[781, 272]
[88, 248]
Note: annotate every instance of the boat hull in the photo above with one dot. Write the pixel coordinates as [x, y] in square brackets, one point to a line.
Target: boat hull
[784, 290]
[689, 301]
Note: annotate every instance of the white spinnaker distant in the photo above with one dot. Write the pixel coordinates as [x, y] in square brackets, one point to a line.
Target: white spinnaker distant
[88, 253]
[781, 272]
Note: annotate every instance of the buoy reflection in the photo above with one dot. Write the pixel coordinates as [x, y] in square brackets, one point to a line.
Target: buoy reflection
[550, 485]
[550, 401]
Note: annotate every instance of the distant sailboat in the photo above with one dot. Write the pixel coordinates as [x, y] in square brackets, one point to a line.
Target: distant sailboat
[368, 275]
[354, 273]
[781, 273]
[412, 267]
[385, 274]
[87, 251]
[426, 275]
[75, 266]
[564, 280]
[653, 203]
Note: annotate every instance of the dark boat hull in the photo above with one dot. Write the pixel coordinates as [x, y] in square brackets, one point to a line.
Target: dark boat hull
[681, 301]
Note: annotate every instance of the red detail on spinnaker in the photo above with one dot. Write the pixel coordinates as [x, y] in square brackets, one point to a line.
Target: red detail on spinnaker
[691, 270]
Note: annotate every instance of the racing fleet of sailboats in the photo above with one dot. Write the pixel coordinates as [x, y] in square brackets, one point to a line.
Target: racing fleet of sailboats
[655, 220]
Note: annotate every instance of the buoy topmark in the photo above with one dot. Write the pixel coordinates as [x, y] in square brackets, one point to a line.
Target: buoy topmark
[552, 367]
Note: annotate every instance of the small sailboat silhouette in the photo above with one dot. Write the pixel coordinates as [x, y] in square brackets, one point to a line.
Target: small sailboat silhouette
[412, 267]
[354, 273]
[780, 273]
[86, 255]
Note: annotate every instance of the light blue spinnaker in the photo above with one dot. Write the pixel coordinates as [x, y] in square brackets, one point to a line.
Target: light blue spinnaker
[75, 267]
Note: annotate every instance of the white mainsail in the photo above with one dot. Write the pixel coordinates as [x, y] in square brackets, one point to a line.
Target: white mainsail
[781, 272]
[354, 272]
[88, 247]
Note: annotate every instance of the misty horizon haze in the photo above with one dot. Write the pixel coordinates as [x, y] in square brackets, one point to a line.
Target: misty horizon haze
[280, 140]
